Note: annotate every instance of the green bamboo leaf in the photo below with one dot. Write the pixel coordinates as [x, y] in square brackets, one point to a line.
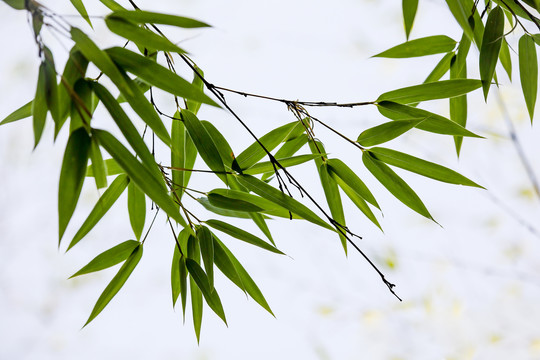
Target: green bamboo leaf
[204, 143]
[432, 122]
[241, 235]
[190, 156]
[178, 152]
[191, 105]
[72, 177]
[253, 153]
[528, 71]
[39, 105]
[194, 253]
[182, 243]
[536, 38]
[136, 209]
[175, 275]
[288, 149]
[431, 91]
[128, 130]
[420, 166]
[142, 17]
[245, 282]
[111, 168]
[220, 211]
[385, 132]
[51, 88]
[98, 165]
[441, 68]
[491, 45]
[394, 184]
[211, 296]
[116, 283]
[516, 9]
[226, 266]
[458, 104]
[471, 25]
[112, 5]
[79, 6]
[260, 221]
[140, 36]
[506, 59]
[207, 251]
[231, 203]
[81, 108]
[157, 75]
[333, 199]
[420, 47]
[350, 178]
[103, 205]
[23, 112]
[409, 12]
[139, 174]
[274, 195]
[16, 4]
[267, 166]
[223, 147]
[109, 258]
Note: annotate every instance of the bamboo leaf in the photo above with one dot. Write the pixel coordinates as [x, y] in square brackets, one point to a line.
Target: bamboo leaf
[409, 12]
[241, 235]
[175, 275]
[491, 45]
[471, 24]
[136, 209]
[142, 17]
[111, 168]
[225, 151]
[197, 82]
[220, 211]
[79, 6]
[139, 175]
[207, 251]
[267, 166]
[23, 112]
[98, 165]
[116, 283]
[506, 59]
[16, 4]
[51, 88]
[112, 5]
[109, 258]
[231, 203]
[157, 75]
[288, 149]
[458, 104]
[72, 177]
[333, 199]
[431, 91]
[420, 47]
[385, 132]
[39, 105]
[441, 68]
[528, 71]
[178, 152]
[103, 205]
[394, 184]
[420, 166]
[194, 253]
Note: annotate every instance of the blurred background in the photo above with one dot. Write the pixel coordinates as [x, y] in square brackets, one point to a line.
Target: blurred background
[470, 287]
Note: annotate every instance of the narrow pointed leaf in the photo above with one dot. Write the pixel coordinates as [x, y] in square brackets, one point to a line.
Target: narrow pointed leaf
[178, 153]
[51, 87]
[136, 209]
[112, 5]
[16, 4]
[72, 176]
[288, 149]
[194, 253]
[409, 12]
[175, 275]
[241, 235]
[207, 251]
[386, 132]
[420, 47]
[440, 69]
[116, 283]
[223, 147]
[226, 266]
[109, 258]
[491, 45]
[350, 178]
[506, 59]
[98, 165]
[394, 184]
[232, 204]
[471, 25]
[258, 219]
[197, 82]
[23, 112]
[528, 71]
[39, 105]
[458, 104]
[211, 296]
[103, 205]
[333, 199]
[221, 211]
[142, 17]
[79, 5]
[431, 91]
[111, 168]
[267, 166]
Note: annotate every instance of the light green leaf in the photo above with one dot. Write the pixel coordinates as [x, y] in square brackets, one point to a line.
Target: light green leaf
[506, 59]
[194, 253]
[179, 273]
[23, 112]
[142, 17]
[139, 35]
[420, 47]
[432, 122]
[241, 235]
[528, 71]
[421, 167]
[471, 25]
[409, 12]
[79, 5]
[112, 5]
[394, 184]
[220, 211]
[350, 178]
[175, 275]
[191, 105]
[16, 4]
[109, 258]
[288, 149]
[223, 147]
[178, 153]
[267, 166]
[103, 205]
[274, 195]
[72, 177]
[98, 165]
[228, 203]
[431, 91]
[39, 105]
[207, 251]
[333, 199]
[157, 75]
[385, 132]
[139, 175]
[458, 104]
[136, 209]
[440, 69]
[116, 283]
[491, 45]
[111, 168]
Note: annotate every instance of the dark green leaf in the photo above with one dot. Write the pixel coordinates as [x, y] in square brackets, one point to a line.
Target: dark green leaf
[393, 183]
[117, 282]
[98, 165]
[431, 91]
[220, 211]
[23, 112]
[16, 4]
[194, 253]
[109, 258]
[178, 153]
[72, 176]
[137, 209]
[142, 17]
[491, 45]
[420, 47]
[241, 235]
[231, 203]
[386, 132]
[461, 9]
[103, 205]
[51, 88]
[458, 104]
[39, 105]
[207, 251]
[223, 147]
[409, 12]
[528, 72]
[78, 4]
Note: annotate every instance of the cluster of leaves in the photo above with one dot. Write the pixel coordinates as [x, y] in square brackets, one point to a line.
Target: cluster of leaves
[248, 190]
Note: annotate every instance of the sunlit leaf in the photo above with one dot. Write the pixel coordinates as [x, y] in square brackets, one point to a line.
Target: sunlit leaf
[116, 283]
[141, 17]
[223, 147]
[440, 69]
[103, 205]
[386, 132]
[506, 59]
[136, 209]
[491, 45]
[23, 112]
[112, 5]
[16, 4]
[431, 91]
[333, 199]
[528, 71]
[72, 176]
[267, 166]
[409, 12]
[471, 25]
[352, 180]
[228, 203]
[79, 5]
[109, 258]
[420, 47]
[111, 168]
